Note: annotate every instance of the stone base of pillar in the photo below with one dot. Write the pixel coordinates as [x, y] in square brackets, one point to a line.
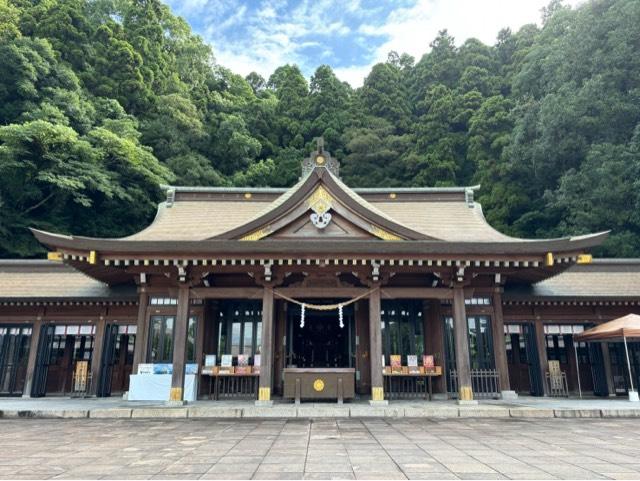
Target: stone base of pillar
[462, 402]
[267, 403]
[379, 403]
[176, 403]
[508, 395]
[633, 396]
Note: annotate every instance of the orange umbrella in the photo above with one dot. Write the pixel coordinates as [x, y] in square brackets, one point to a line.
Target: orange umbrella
[623, 327]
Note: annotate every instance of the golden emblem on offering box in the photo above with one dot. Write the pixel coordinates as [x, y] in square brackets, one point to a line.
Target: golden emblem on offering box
[318, 385]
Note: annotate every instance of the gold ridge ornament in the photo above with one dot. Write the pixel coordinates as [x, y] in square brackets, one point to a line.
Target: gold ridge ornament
[320, 202]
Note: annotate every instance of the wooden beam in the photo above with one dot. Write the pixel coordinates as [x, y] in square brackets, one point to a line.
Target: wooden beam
[416, 293]
[226, 293]
[323, 292]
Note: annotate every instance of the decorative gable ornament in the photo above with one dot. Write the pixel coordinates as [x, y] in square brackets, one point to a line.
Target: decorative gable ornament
[320, 202]
[320, 158]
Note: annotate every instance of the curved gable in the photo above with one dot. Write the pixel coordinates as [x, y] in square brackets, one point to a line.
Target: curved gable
[321, 206]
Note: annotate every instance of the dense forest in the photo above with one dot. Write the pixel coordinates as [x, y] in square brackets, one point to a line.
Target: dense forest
[101, 101]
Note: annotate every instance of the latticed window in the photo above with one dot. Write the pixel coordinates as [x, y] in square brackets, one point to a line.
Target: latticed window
[240, 328]
[480, 342]
[161, 334]
[402, 329]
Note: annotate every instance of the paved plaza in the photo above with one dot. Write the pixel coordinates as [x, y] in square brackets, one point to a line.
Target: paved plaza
[320, 449]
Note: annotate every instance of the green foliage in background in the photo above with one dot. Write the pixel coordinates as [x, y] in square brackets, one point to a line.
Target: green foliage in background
[102, 101]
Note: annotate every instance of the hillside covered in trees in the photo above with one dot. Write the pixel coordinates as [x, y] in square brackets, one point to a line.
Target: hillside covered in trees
[102, 101]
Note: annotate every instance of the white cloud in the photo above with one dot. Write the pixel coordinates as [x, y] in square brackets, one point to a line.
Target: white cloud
[354, 75]
[411, 30]
[274, 34]
[271, 39]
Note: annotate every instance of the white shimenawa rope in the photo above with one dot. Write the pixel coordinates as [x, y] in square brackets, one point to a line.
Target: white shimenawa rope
[323, 307]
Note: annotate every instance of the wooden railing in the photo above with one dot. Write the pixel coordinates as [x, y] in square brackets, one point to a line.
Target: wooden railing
[234, 386]
[407, 386]
[484, 382]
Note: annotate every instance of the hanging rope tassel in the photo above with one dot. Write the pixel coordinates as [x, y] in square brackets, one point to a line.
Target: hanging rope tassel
[340, 316]
[302, 315]
[323, 307]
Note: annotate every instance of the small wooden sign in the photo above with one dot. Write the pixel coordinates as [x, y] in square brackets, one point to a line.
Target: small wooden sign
[81, 376]
[554, 368]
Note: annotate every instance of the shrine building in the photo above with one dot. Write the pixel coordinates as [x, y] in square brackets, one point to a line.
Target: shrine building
[318, 291]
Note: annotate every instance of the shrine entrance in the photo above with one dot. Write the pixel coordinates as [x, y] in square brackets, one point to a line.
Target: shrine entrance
[320, 341]
[14, 353]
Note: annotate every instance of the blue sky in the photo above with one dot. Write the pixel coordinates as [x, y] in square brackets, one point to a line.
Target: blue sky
[351, 36]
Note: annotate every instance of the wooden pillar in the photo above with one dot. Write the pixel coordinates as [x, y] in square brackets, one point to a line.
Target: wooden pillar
[541, 343]
[266, 350]
[461, 335]
[375, 341]
[98, 352]
[180, 345]
[434, 340]
[279, 361]
[363, 364]
[33, 355]
[212, 328]
[606, 359]
[142, 330]
[499, 347]
[202, 316]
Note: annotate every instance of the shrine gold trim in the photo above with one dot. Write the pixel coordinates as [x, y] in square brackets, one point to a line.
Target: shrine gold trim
[383, 234]
[264, 394]
[377, 394]
[320, 201]
[256, 235]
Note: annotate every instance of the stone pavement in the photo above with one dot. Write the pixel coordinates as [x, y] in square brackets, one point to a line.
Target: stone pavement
[523, 407]
[320, 449]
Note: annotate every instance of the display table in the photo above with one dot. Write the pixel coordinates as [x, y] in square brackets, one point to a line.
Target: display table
[156, 387]
[319, 383]
[405, 385]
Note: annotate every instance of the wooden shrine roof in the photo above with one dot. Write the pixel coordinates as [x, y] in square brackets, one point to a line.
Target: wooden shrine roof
[602, 279]
[432, 225]
[199, 213]
[37, 280]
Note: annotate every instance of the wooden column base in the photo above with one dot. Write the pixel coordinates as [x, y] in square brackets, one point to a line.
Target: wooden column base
[465, 393]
